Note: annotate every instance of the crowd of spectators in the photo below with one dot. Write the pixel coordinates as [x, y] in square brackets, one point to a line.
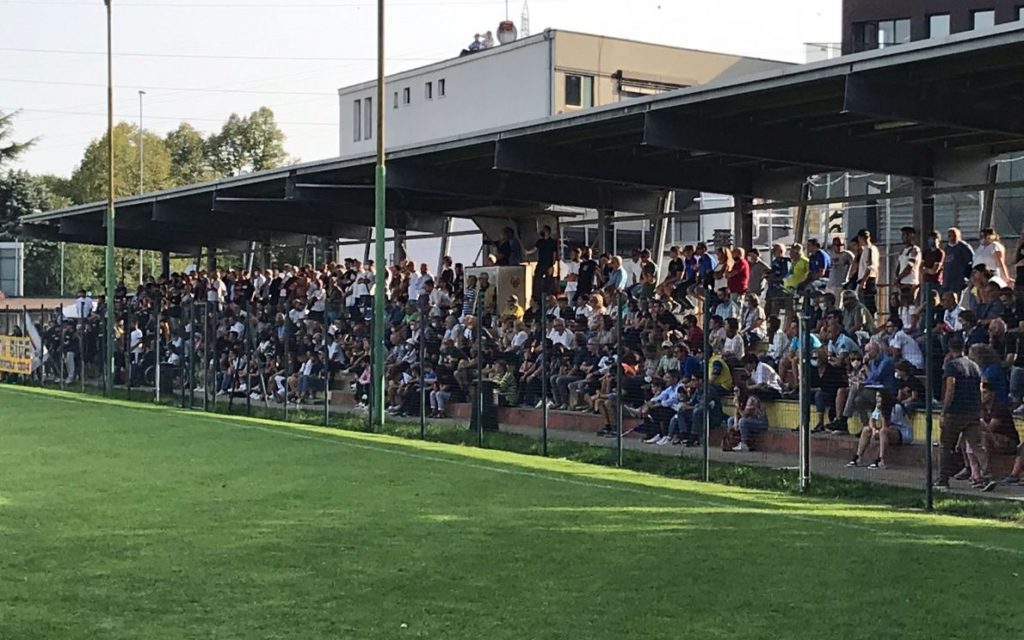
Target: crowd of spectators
[285, 335]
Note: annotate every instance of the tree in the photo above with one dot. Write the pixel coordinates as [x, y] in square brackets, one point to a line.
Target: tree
[190, 162]
[10, 150]
[89, 179]
[248, 144]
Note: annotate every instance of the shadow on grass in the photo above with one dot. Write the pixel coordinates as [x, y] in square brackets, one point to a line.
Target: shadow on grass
[827, 497]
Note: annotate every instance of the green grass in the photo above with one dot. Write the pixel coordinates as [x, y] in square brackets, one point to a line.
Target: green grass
[125, 521]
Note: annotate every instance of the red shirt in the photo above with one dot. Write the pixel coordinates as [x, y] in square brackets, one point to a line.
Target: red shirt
[740, 280]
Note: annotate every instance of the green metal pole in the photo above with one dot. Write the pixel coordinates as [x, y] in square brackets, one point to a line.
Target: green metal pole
[110, 208]
[377, 383]
[929, 395]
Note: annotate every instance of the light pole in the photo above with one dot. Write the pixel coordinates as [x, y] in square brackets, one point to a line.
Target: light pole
[377, 383]
[109, 257]
[142, 167]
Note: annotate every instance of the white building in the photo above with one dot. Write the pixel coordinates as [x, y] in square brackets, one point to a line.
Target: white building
[551, 73]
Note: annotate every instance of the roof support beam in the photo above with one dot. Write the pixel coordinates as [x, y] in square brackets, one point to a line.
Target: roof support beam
[932, 104]
[515, 156]
[520, 188]
[811, 150]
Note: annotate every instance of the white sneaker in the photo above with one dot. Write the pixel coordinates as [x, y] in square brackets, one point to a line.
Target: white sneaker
[539, 405]
[652, 439]
[663, 441]
[741, 447]
[222, 393]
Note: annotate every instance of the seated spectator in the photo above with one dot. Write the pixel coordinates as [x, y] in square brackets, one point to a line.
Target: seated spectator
[751, 421]
[883, 429]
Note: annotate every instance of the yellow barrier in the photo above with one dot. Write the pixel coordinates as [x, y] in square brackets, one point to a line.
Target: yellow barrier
[16, 355]
[785, 414]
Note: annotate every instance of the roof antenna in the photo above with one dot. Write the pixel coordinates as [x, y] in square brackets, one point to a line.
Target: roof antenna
[524, 21]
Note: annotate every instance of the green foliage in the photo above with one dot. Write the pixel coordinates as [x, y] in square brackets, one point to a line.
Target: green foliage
[9, 149]
[247, 144]
[89, 180]
[190, 160]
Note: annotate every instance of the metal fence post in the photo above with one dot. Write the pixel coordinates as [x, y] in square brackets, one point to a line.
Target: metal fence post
[327, 375]
[287, 361]
[249, 357]
[80, 360]
[157, 337]
[205, 364]
[804, 392]
[619, 299]
[929, 396]
[706, 384]
[423, 380]
[62, 356]
[544, 357]
[480, 373]
[128, 322]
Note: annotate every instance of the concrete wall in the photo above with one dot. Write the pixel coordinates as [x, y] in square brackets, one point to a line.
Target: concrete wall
[601, 57]
[505, 85]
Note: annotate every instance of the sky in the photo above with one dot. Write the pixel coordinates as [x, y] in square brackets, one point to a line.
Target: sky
[201, 60]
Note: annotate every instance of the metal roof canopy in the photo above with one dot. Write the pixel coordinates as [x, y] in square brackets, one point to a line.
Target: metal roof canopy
[938, 109]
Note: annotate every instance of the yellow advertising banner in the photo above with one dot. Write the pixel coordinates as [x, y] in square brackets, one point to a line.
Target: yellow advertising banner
[16, 355]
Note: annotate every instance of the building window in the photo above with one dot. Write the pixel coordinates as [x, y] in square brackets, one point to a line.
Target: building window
[368, 119]
[406, 96]
[428, 90]
[985, 19]
[357, 120]
[878, 34]
[579, 91]
[395, 106]
[440, 88]
[938, 25]
[1020, 13]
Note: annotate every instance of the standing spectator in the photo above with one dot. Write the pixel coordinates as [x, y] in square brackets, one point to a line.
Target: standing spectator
[587, 274]
[758, 272]
[932, 260]
[992, 254]
[800, 268]
[842, 262]
[546, 249]
[819, 264]
[908, 272]
[777, 274]
[956, 269]
[867, 271]
[961, 402]
[738, 276]
[571, 273]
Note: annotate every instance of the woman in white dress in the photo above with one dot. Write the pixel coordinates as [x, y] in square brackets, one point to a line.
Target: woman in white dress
[992, 254]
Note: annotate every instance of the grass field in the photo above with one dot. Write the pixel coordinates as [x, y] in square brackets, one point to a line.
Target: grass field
[135, 522]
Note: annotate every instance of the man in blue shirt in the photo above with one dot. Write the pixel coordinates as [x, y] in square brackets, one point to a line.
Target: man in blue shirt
[956, 269]
[706, 265]
[662, 407]
[820, 262]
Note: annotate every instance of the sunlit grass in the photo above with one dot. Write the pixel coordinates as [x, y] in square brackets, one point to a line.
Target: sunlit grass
[119, 520]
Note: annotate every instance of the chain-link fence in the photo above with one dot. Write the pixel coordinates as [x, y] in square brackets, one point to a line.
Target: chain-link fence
[808, 404]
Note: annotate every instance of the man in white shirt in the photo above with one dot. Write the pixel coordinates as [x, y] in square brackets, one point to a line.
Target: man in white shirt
[764, 382]
[842, 262]
[559, 336]
[571, 273]
[633, 269]
[909, 262]
[901, 345]
[418, 282]
[84, 305]
[867, 271]
[217, 291]
[733, 348]
[951, 311]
